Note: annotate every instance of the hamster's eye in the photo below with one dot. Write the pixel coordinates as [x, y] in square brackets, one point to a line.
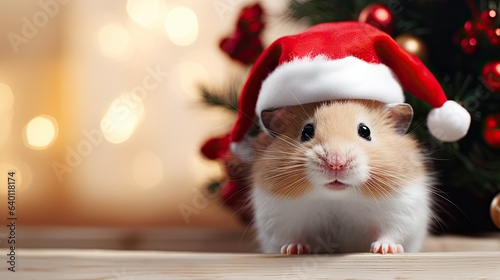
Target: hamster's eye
[307, 132]
[364, 132]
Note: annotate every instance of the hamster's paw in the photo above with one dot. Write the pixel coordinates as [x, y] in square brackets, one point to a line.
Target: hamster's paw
[386, 247]
[295, 249]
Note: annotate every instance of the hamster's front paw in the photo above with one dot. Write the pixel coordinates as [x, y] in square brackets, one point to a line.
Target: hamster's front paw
[295, 249]
[386, 247]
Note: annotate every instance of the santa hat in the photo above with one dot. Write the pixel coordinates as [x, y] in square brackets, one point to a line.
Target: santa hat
[344, 60]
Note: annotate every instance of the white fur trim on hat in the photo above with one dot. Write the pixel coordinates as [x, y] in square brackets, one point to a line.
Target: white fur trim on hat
[243, 149]
[308, 80]
[450, 122]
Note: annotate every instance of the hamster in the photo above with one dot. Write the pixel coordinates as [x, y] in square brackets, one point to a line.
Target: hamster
[338, 177]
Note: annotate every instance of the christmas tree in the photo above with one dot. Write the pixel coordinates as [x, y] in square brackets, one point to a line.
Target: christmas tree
[459, 41]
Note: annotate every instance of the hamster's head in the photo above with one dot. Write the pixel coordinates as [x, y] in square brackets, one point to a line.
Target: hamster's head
[339, 147]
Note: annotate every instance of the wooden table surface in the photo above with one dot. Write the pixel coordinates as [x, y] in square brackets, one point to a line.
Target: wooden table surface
[148, 265]
[203, 254]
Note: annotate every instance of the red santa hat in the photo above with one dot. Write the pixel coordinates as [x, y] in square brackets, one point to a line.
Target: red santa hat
[344, 60]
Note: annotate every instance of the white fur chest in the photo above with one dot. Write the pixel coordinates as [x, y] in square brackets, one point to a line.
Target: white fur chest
[341, 221]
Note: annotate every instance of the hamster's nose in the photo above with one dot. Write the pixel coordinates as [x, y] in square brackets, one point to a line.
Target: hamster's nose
[336, 163]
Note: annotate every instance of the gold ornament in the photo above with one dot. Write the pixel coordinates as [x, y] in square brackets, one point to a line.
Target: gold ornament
[495, 210]
[413, 45]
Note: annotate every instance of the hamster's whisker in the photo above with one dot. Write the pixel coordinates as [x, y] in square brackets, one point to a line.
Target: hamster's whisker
[437, 205]
[298, 102]
[439, 222]
[391, 175]
[381, 186]
[290, 156]
[370, 187]
[292, 188]
[448, 201]
[288, 165]
[235, 193]
[389, 196]
[291, 142]
[246, 205]
[277, 181]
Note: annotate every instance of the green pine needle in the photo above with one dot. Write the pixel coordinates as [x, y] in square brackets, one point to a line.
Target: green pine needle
[227, 99]
[319, 11]
[214, 186]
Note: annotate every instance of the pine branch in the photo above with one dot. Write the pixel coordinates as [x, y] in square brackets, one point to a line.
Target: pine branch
[214, 185]
[227, 99]
[319, 11]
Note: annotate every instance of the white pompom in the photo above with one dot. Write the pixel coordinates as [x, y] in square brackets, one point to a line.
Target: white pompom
[450, 122]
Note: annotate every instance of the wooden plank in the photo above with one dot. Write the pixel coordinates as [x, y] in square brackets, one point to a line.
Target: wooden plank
[455, 243]
[163, 239]
[200, 240]
[149, 265]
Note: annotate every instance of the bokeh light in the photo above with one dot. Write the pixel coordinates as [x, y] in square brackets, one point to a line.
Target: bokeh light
[40, 132]
[122, 117]
[382, 14]
[190, 75]
[411, 45]
[114, 40]
[181, 25]
[147, 169]
[6, 98]
[496, 68]
[144, 12]
[23, 174]
[5, 125]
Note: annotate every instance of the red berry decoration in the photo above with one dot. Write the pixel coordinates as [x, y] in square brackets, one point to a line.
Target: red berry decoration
[244, 45]
[469, 28]
[378, 16]
[250, 19]
[491, 76]
[491, 132]
[215, 148]
[469, 45]
[488, 17]
[466, 37]
[494, 36]
[482, 25]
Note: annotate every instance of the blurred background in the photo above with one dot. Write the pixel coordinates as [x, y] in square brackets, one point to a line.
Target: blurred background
[100, 113]
[104, 106]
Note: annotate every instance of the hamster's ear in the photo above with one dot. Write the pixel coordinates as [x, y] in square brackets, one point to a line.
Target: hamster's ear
[274, 120]
[401, 115]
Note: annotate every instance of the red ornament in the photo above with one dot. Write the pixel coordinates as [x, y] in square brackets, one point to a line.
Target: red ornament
[491, 131]
[491, 76]
[378, 16]
[495, 210]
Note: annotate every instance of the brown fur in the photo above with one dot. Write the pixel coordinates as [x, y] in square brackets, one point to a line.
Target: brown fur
[274, 166]
[394, 159]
